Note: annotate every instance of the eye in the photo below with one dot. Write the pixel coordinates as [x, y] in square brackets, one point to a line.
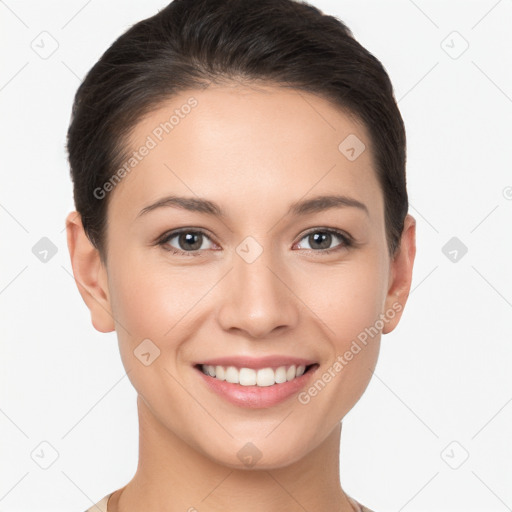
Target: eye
[322, 239]
[187, 242]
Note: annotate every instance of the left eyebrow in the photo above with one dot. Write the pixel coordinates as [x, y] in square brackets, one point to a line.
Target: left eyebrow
[303, 207]
[321, 203]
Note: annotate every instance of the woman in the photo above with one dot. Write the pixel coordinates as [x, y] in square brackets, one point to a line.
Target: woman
[239, 181]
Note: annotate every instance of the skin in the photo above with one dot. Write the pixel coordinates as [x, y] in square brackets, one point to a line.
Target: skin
[254, 151]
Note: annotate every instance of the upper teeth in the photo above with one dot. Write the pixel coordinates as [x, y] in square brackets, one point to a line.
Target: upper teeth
[251, 377]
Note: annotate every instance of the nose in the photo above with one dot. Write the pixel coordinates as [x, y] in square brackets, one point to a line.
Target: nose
[257, 298]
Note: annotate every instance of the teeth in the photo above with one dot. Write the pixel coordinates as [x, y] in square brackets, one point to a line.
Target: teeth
[280, 375]
[250, 377]
[220, 373]
[264, 377]
[232, 375]
[247, 377]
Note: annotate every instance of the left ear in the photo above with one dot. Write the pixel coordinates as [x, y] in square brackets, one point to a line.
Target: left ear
[400, 276]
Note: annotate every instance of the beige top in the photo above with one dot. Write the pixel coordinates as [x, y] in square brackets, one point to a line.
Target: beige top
[101, 506]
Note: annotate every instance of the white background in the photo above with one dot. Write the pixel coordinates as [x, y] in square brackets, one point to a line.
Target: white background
[443, 375]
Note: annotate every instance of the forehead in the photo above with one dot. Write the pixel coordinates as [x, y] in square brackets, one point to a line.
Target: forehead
[234, 143]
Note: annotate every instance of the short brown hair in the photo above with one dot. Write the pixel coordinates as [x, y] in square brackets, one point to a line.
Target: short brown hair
[194, 43]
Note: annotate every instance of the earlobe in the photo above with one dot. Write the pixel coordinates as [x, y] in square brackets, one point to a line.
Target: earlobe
[401, 268]
[89, 273]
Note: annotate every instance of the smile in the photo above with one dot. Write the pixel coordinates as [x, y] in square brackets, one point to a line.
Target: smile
[261, 377]
[256, 388]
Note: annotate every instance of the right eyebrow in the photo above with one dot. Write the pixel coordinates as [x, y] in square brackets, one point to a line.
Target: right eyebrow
[187, 203]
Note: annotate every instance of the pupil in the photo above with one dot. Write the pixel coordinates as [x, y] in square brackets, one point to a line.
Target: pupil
[188, 238]
[325, 239]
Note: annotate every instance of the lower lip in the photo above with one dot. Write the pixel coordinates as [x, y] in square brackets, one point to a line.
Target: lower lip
[257, 397]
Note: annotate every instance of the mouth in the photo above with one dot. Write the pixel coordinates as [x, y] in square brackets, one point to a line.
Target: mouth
[260, 387]
[258, 377]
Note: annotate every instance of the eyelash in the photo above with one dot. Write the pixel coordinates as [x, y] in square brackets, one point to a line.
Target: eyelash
[347, 241]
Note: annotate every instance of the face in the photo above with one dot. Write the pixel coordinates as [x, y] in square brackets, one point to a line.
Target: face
[278, 273]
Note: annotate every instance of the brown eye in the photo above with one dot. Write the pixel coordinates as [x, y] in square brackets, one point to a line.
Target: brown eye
[183, 242]
[192, 241]
[321, 240]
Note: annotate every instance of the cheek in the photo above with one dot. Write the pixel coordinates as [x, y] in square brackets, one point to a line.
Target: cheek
[347, 298]
[149, 298]
[156, 303]
[153, 300]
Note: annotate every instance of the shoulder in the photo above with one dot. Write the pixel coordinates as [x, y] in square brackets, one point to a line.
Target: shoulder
[357, 506]
[101, 506]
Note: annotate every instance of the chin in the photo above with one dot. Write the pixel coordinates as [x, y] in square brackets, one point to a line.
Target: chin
[260, 454]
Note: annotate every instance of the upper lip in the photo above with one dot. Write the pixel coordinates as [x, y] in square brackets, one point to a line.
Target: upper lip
[257, 362]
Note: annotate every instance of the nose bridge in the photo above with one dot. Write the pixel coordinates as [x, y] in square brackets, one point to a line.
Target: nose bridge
[255, 299]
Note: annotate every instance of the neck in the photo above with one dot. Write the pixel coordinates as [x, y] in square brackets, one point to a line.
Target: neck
[173, 476]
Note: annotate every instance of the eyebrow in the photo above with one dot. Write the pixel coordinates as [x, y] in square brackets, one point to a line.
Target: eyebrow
[303, 207]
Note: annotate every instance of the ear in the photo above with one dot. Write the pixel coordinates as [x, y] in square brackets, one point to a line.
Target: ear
[90, 274]
[400, 275]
